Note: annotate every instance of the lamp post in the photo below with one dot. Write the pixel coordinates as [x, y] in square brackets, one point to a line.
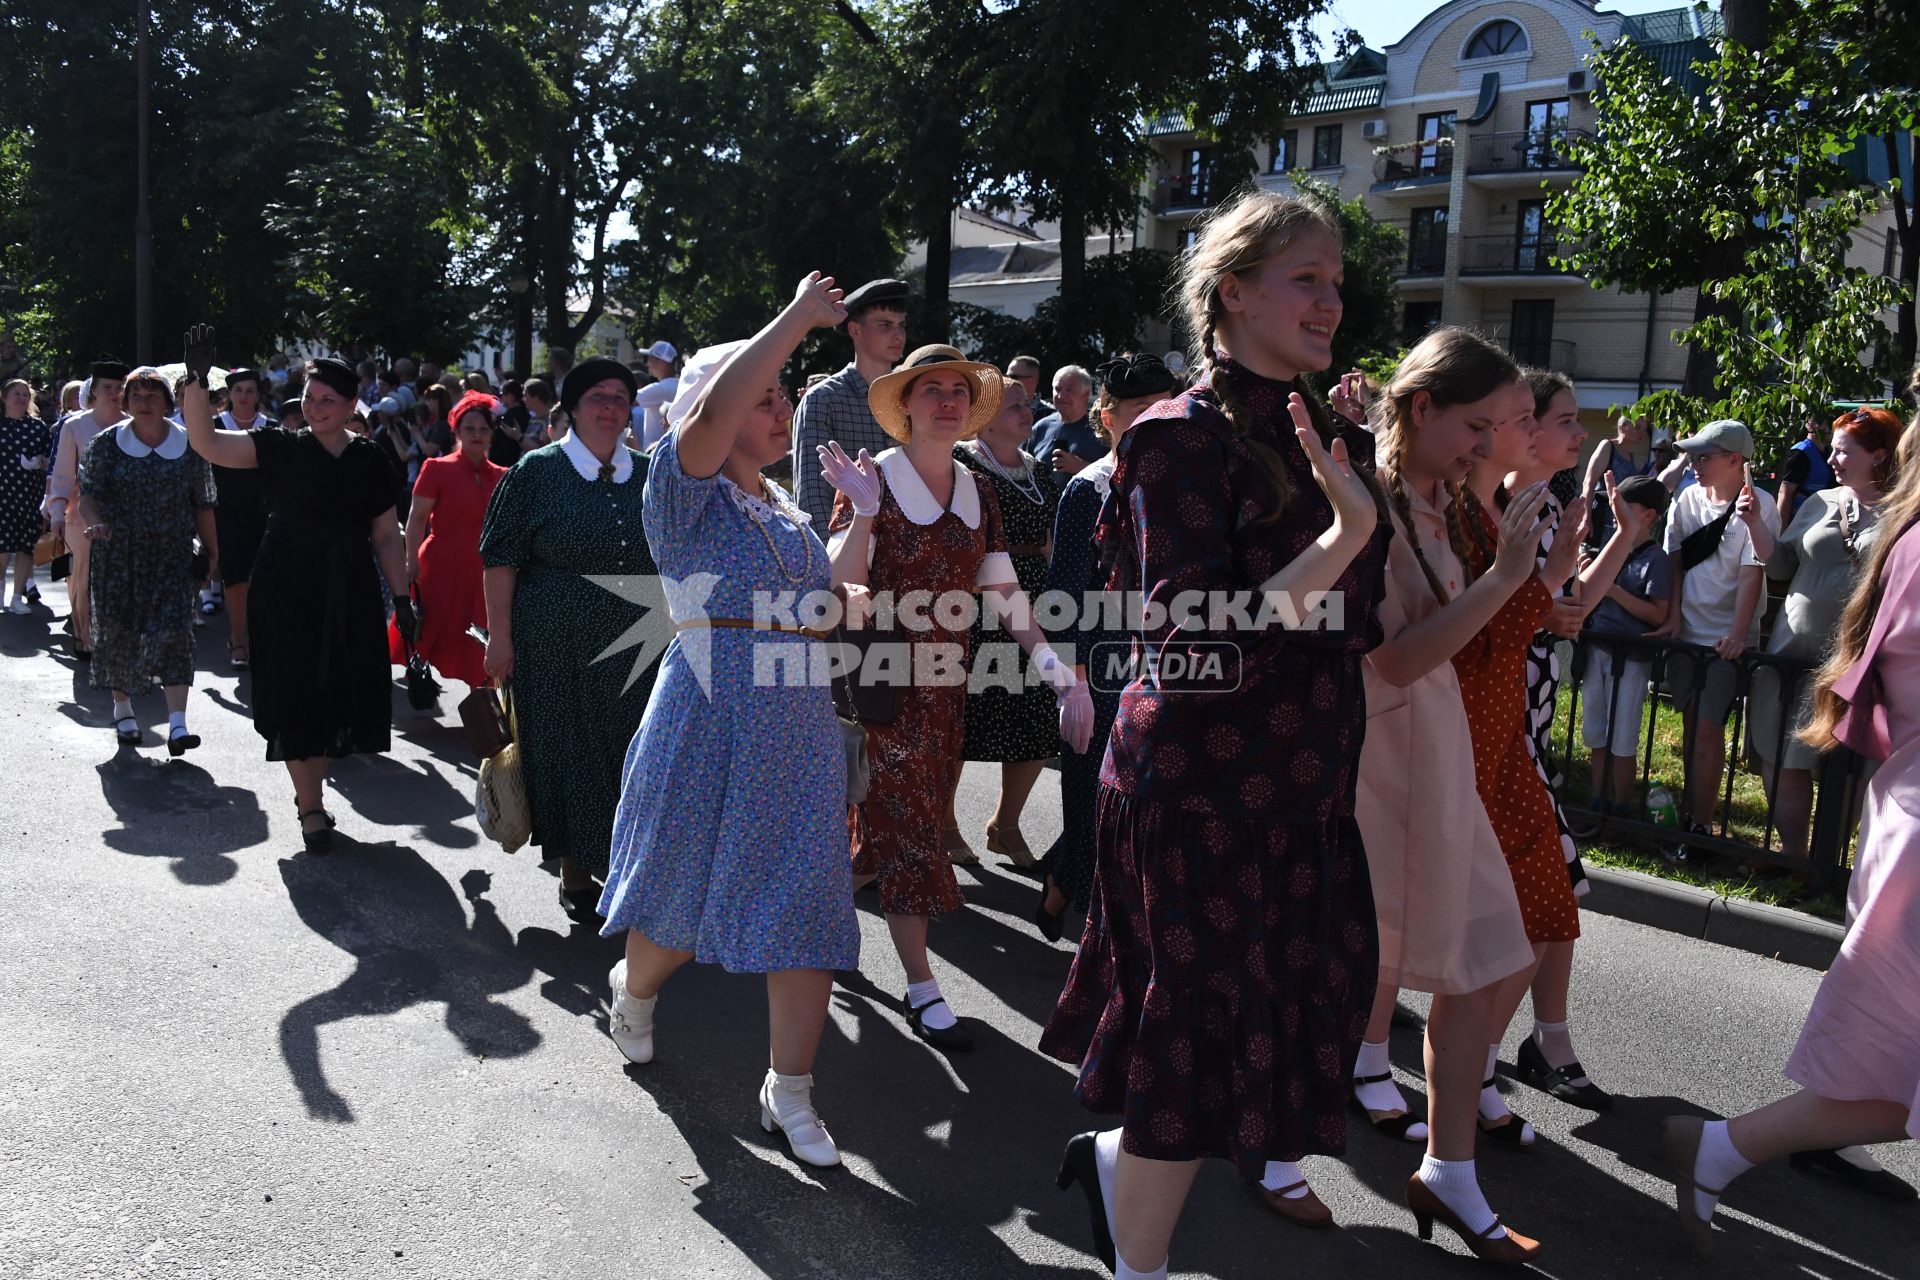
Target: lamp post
[522, 290]
[142, 227]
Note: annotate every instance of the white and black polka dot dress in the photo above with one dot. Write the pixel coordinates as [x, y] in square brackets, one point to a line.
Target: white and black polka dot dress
[21, 488]
[1002, 725]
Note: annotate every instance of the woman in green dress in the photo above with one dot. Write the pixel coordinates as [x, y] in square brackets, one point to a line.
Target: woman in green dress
[573, 598]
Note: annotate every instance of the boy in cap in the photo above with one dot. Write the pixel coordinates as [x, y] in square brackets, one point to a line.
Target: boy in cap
[651, 401]
[1614, 689]
[836, 410]
[1719, 537]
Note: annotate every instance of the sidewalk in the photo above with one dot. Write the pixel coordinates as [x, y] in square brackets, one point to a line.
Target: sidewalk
[1775, 932]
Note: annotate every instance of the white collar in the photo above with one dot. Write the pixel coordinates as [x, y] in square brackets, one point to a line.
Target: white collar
[589, 466]
[170, 448]
[228, 423]
[917, 501]
[1100, 474]
[761, 511]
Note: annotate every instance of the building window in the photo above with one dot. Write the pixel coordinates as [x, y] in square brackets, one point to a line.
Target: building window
[1547, 124]
[1497, 39]
[1326, 146]
[1191, 184]
[1422, 318]
[1532, 335]
[1189, 236]
[1284, 148]
[1534, 246]
[1427, 242]
[1437, 159]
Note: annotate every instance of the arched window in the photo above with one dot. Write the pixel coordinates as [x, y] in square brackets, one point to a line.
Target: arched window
[1497, 39]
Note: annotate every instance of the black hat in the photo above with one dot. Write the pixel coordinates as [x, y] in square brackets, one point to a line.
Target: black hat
[891, 294]
[336, 374]
[1138, 373]
[108, 367]
[251, 375]
[290, 407]
[1645, 491]
[590, 373]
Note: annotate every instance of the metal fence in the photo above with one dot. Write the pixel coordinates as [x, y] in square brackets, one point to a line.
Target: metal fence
[1747, 808]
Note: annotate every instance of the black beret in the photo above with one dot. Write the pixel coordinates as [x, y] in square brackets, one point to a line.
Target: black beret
[253, 376]
[891, 294]
[108, 367]
[336, 374]
[591, 373]
[289, 407]
[1136, 374]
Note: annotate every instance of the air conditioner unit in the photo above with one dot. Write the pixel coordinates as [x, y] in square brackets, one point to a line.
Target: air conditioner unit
[1373, 129]
[1580, 81]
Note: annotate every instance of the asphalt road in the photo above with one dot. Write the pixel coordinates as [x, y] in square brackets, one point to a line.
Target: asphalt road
[225, 1058]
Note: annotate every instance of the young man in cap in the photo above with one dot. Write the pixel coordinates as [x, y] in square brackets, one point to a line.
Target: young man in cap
[1025, 370]
[1719, 535]
[651, 401]
[837, 410]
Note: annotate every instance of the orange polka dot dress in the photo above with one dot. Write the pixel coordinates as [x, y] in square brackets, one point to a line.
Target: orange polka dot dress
[1493, 685]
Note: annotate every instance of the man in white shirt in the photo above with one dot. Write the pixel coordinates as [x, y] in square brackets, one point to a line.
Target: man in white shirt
[1719, 535]
[650, 403]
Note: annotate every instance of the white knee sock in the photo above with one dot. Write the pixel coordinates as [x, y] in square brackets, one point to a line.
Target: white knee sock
[1106, 1159]
[1280, 1175]
[176, 723]
[1555, 1043]
[123, 709]
[1386, 1095]
[1458, 1187]
[1717, 1164]
[1493, 1107]
[938, 1018]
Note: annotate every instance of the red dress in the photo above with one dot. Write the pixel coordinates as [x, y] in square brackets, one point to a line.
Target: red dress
[918, 546]
[1493, 685]
[450, 586]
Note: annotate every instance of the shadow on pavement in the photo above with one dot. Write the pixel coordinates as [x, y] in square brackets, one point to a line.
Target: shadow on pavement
[387, 907]
[392, 794]
[150, 793]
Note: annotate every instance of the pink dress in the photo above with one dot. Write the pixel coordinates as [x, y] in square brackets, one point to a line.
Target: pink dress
[1449, 918]
[1862, 1036]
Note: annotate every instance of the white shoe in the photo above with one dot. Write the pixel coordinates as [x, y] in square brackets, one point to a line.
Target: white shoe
[790, 1107]
[19, 605]
[629, 1018]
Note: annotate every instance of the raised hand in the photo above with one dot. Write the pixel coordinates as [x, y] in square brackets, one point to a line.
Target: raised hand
[198, 345]
[1630, 518]
[1747, 506]
[1353, 506]
[858, 478]
[818, 301]
[1350, 397]
[1563, 558]
[1520, 531]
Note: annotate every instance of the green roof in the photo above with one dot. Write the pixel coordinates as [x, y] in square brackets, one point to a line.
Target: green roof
[1670, 26]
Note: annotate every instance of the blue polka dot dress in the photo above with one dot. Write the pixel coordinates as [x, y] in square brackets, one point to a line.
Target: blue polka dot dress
[731, 836]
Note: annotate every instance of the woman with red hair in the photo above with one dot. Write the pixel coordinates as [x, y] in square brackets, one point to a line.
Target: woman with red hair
[443, 546]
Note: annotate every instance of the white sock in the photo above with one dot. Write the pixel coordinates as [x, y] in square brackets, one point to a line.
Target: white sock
[1106, 1159]
[123, 709]
[1555, 1043]
[1493, 1107]
[1458, 1187]
[1124, 1272]
[940, 1016]
[1281, 1175]
[1386, 1095]
[1860, 1158]
[176, 723]
[1717, 1164]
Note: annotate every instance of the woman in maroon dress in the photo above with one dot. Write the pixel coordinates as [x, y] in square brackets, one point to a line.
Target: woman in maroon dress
[1218, 998]
[450, 499]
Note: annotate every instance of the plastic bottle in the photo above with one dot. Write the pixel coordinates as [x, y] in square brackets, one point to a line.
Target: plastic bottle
[1661, 810]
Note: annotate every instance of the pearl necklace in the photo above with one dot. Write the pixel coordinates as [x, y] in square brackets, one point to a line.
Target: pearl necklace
[1024, 482]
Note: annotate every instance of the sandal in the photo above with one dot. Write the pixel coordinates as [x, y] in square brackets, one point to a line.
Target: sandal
[237, 657]
[958, 851]
[318, 839]
[953, 1039]
[127, 730]
[1012, 846]
[1395, 1124]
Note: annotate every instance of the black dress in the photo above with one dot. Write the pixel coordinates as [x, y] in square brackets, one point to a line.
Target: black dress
[322, 685]
[241, 517]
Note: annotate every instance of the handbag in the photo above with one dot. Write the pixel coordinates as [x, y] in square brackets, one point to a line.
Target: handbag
[853, 735]
[856, 695]
[1703, 542]
[485, 723]
[500, 796]
[48, 548]
[423, 691]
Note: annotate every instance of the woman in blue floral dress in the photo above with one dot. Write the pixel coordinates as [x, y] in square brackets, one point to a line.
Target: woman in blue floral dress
[730, 843]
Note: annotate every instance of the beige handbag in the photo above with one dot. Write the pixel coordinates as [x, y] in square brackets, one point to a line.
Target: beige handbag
[500, 797]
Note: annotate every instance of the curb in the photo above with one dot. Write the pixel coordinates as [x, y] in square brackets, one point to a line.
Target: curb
[1774, 932]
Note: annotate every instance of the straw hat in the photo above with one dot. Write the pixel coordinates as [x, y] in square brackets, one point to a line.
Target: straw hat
[887, 397]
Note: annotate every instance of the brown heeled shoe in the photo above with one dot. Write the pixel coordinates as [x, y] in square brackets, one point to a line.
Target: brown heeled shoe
[1512, 1249]
[1012, 846]
[1305, 1211]
[958, 851]
[1681, 1135]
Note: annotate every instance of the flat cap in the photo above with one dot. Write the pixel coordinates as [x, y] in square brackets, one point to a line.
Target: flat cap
[892, 294]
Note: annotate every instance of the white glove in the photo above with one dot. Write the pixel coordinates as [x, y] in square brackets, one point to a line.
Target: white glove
[858, 478]
[1076, 717]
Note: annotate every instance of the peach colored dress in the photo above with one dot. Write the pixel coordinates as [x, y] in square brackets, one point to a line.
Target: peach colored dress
[1861, 1040]
[1449, 919]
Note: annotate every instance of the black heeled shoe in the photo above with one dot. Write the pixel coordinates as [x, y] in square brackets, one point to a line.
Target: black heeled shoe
[318, 840]
[1394, 1127]
[953, 1039]
[1052, 925]
[1080, 1164]
[1875, 1182]
[582, 905]
[1510, 1133]
[1535, 1070]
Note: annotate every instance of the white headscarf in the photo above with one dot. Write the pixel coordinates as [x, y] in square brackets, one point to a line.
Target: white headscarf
[699, 371]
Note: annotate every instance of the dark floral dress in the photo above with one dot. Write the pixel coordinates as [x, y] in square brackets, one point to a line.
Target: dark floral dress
[1220, 994]
[21, 489]
[895, 831]
[1002, 725]
[141, 586]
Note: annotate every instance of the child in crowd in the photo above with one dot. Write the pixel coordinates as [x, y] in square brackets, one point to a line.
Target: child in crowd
[1614, 688]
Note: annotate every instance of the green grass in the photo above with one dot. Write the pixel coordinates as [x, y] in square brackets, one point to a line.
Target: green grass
[1755, 880]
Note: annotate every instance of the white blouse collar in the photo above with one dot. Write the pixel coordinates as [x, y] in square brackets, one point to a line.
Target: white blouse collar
[589, 466]
[1100, 474]
[761, 511]
[174, 446]
[911, 492]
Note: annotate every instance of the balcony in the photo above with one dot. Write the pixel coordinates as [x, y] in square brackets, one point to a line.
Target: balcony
[1544, 353]
[1183, 193]
[1413, 170]
[1525, 259]
[1426, 257]
[1527, 158]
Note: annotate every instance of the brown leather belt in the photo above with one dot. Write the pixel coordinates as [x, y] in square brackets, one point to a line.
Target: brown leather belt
[747, 624]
